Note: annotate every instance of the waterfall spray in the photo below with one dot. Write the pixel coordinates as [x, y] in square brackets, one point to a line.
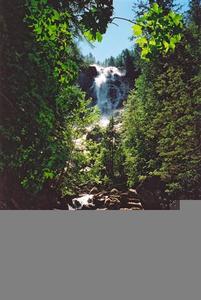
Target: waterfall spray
[110, 88]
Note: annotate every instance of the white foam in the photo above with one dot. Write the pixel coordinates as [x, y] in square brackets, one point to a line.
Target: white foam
[110, 89]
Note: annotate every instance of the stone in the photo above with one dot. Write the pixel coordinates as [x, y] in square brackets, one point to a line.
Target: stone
[132, 192]
[114, 191]
[135, 208]
[89, 206]
[135, 200]
[86, 80]
[115, 196]
[134, 205]
[94, 190]
[112, 203]
[99, 202]
[101, 194]
[124, 197]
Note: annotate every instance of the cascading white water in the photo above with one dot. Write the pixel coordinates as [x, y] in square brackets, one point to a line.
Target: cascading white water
[110, 88]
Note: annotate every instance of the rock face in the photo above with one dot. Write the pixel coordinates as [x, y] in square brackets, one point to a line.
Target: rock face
[86, 81]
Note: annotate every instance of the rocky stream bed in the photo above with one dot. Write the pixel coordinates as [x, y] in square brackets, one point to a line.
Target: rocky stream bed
[147, 195]
[106, 200]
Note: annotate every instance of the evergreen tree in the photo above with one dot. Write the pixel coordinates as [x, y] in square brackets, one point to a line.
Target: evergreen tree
[90, 59]
[166, 5]
[195, 12]
[162, 129]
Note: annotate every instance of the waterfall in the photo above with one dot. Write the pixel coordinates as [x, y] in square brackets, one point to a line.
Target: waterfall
[110, 88]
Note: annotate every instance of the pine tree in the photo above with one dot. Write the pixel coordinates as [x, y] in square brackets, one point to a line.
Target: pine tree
[165, 4]
[195, 12]
[165, 102]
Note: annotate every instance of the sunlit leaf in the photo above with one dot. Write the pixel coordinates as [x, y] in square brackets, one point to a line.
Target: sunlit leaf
[156, 8]
[137, 29]
[88, 35]
[99, 36]
[152, 42]
[141, 41]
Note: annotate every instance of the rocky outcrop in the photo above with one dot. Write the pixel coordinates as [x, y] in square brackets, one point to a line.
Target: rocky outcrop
[113, 199]
[149, 195]
[86, 80]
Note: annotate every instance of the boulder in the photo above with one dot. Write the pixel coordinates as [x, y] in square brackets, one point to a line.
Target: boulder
[134, 205]
[112, 203]
[99, 202]
[132, 192]
[114, 191]
[89, 206]
[93, 191]
[129, 209]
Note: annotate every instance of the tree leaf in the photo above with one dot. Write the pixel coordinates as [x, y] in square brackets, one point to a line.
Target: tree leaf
[144, 53]
[167, 46]
[137, 29]
[99, 37]
[141, 41]
[152, 42]
[88, 35]
[156, 8]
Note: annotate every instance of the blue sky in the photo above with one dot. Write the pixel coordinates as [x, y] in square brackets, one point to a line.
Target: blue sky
[117, 37]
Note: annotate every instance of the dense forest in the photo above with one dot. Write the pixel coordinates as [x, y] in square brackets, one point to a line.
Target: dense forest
[151, 150]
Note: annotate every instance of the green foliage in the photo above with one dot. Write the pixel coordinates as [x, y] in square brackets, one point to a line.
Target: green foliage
[41, 69]
[195, 12]
[51, 30]
[44, 113]
[158, 32]
[139, 143]
[180, 155]
[90, 37]
[161, 123]
[98, 158]
[96, 18]
[41, 103]
[152, 143]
